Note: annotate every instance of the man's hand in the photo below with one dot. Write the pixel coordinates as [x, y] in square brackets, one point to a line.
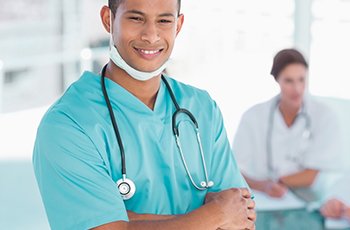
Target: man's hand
[334, 208]
[236, 207]
[274, 189]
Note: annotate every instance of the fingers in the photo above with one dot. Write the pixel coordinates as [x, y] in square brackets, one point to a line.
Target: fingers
[327, 212]
[237, 207]
[275, 193]
[276, 190]
[282, 187]
[347, 212]
[333, 208]
[250, 225]
[250, 204]
[245, 193]
[281, 190]
[251, 215]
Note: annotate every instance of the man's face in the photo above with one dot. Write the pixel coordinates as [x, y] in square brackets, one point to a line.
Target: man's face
[144, 32]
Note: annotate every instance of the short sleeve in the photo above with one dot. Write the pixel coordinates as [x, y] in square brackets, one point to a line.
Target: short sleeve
[226, 172]
[76, 188]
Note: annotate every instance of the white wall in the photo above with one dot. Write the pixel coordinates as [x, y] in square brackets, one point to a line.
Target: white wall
[330, 49]
[227, 48]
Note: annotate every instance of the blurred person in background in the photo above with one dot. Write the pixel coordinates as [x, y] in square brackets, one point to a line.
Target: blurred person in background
[121, 149]
[289, 140]
[337, 204]
[336, 208]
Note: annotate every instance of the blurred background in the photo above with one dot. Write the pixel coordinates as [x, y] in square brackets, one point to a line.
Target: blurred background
[226, 47]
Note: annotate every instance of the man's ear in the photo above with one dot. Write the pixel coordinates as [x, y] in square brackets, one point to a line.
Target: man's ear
[105, 15]
[180, 22]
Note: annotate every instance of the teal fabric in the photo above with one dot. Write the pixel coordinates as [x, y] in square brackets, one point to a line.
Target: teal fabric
[77, 159]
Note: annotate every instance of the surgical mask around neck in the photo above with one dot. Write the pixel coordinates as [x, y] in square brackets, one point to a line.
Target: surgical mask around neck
[134, 73]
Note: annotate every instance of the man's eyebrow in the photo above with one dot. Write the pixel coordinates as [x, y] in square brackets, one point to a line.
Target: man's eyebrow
[135, 12]
[143, 14]
[167, 15]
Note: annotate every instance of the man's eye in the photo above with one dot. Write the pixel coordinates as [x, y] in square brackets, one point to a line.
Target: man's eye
[165, 21]
[138, 19]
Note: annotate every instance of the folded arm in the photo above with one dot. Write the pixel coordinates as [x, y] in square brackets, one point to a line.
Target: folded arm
[301, 179]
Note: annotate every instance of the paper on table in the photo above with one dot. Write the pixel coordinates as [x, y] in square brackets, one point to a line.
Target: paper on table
[267, 203]
[337, 223]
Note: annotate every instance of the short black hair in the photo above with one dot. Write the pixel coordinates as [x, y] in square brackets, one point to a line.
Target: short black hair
[113, 5]
[287, 57]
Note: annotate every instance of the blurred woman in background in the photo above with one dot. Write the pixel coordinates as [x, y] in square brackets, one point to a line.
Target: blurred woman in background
[287, 141]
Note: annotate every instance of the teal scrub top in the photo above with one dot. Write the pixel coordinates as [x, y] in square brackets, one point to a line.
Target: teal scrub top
[77, 159]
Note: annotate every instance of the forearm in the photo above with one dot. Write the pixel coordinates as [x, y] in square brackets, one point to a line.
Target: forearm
[192, 221]
[144, 217]
[301, 179]
[207, 217]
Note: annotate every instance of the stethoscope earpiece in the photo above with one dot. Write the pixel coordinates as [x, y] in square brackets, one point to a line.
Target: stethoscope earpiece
[207, 185]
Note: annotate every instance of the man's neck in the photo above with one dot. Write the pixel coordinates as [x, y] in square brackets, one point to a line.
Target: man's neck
[289, 113]
[145, 91]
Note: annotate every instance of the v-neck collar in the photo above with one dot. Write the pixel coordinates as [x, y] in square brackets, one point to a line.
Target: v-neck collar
[279, 114]
[122, 98]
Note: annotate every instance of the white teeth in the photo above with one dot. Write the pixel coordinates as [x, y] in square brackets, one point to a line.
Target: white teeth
[149, 52]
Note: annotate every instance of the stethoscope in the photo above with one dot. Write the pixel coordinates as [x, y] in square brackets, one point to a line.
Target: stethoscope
[306, 134]
[127, 187]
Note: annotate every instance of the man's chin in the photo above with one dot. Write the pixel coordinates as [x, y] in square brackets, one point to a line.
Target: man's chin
[148, 69]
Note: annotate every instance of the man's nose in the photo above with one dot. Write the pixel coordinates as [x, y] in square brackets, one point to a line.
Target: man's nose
[150, 33]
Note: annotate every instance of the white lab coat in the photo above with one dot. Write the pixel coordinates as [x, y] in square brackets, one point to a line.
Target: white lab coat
[291, 152]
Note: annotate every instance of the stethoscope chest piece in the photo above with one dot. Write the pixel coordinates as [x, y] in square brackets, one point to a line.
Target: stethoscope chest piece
[126, 188]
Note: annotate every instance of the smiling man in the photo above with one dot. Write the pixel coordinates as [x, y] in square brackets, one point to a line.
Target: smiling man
[131, 148]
